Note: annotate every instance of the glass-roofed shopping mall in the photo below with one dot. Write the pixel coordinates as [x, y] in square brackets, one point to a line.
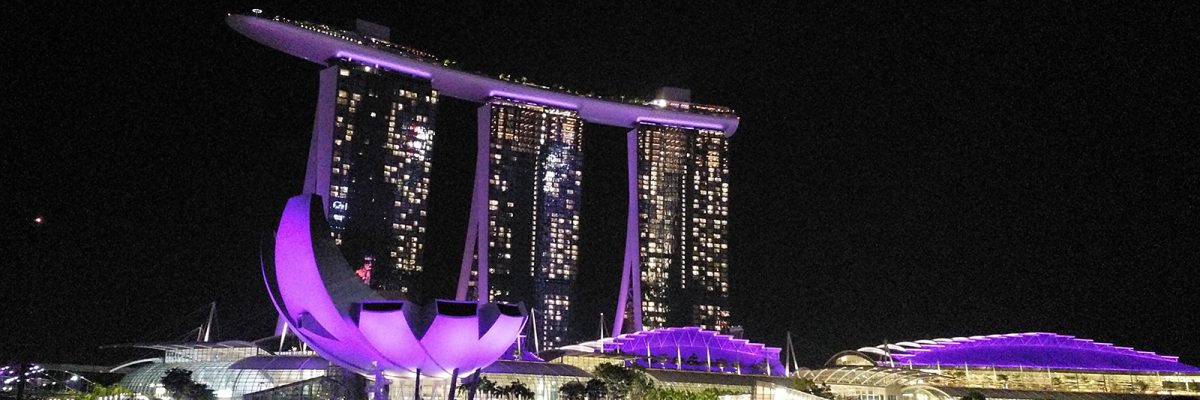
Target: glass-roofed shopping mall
[1018, 365]
[687, 359]
[1030, 366]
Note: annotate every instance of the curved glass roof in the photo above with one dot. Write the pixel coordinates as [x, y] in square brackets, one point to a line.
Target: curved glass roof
[868, 376]
[672, 348]
[1024, 350]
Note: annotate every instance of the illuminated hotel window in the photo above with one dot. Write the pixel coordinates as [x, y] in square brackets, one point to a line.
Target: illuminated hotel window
[532, 208]
[385, 193]
[678, 170]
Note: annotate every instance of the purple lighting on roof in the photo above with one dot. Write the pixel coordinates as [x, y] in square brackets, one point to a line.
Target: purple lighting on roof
[678, 122]
[312, 45]
[361, 59]
[1037, 350]
[534, 99]
[692, 348]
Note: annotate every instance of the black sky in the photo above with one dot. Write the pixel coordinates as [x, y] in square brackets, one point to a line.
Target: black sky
[900, 173]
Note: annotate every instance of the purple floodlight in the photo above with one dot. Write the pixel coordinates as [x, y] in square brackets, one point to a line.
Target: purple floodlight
[692, 348]
[347, 323]
[1035, 350]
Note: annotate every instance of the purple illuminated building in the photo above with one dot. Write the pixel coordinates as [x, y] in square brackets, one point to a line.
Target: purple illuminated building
[347, 323]
[1017, 351]
[1034, 366]
[695, 349]
[523, 233]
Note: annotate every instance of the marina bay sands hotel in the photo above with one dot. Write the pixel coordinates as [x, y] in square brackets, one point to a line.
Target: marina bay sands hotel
[370, 160]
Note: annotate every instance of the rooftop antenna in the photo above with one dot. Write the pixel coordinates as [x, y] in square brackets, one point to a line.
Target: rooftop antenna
[887, 350]
[791, 364]
[212, 311]
[537, 344]
[601, 326]
[283, 336]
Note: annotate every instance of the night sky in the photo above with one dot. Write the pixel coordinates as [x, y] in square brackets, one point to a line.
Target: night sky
[899, 173]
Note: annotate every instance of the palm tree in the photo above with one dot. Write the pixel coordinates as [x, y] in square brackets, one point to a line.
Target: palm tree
[518, 390]
[482, 385]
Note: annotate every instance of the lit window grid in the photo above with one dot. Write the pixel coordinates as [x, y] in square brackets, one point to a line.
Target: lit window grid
[533, 172]
[662, 162]
[708, 243]
[408, 141]
[683, 223]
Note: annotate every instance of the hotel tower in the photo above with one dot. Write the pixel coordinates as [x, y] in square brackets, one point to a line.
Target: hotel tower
[677, 229]
[370, 161]
[524, 224]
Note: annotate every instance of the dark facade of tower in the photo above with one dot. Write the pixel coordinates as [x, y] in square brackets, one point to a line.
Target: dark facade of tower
[370, 159]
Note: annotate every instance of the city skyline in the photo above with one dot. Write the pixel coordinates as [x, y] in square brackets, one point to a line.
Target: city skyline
[901, 173]
[522, 242]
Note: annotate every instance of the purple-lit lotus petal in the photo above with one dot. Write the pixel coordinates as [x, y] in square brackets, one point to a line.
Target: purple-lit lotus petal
[346, 322]
[386, 326]
[455, 333]
[509, 319]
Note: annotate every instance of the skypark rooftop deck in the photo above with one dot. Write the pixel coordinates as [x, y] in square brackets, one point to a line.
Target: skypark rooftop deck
[319, 44]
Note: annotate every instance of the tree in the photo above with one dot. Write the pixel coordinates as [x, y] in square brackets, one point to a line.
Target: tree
[675, 394]
[760, 367]
[622, 382]
[483, 385]
[487, 387]
[517, 390]
[973, 395]
[199, 391]
[596, 389]
[713, 394]
[178, 383]
[97, 392]
[574, 390]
